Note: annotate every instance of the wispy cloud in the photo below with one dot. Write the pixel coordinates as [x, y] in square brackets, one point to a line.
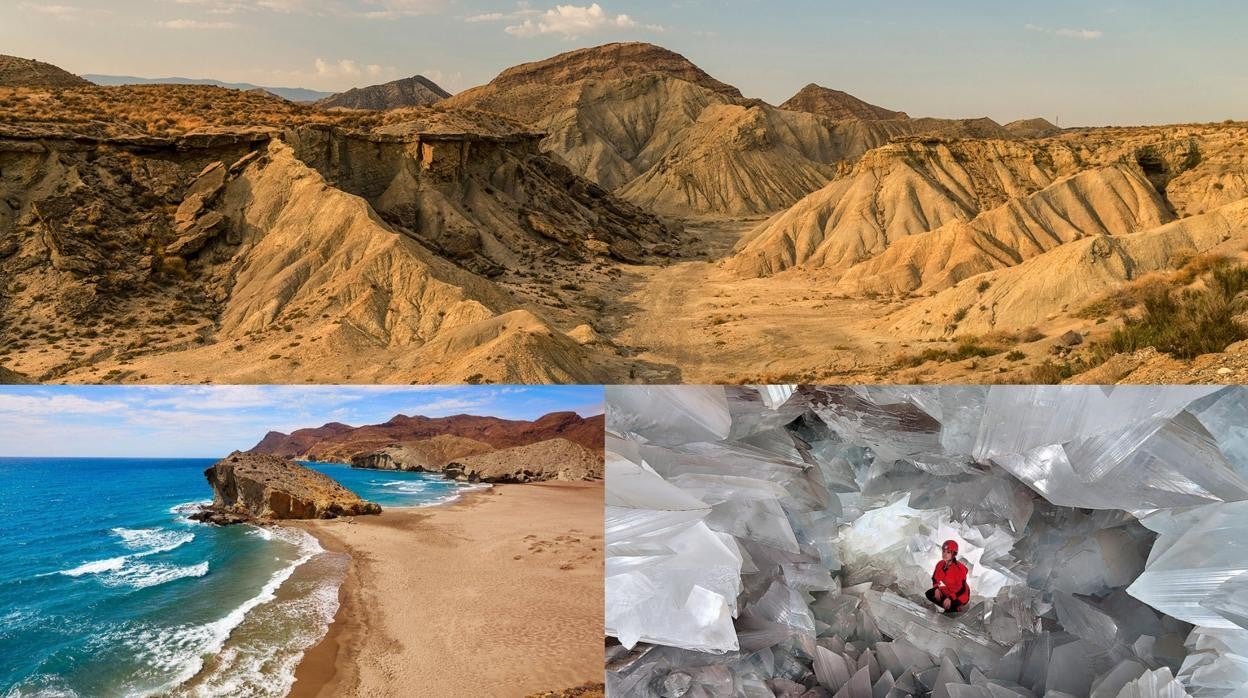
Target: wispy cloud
[348, 68]
[488, 17]
[369, 9]
[55, 404]
[195, 24]
[565, 21]
[1084, 34]
[66, 13]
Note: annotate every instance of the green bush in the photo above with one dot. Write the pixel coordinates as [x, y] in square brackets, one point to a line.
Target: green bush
[966, 350]
[1190, 323]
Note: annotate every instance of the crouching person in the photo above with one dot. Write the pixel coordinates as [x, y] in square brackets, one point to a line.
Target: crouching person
[949, 589]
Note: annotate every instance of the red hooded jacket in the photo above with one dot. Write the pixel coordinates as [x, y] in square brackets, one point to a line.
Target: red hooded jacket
[950, 578]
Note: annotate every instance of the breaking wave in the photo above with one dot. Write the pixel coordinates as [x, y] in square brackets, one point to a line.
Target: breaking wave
[131, 570]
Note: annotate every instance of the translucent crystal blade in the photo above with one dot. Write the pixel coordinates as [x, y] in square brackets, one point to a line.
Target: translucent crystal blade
[1203, 558]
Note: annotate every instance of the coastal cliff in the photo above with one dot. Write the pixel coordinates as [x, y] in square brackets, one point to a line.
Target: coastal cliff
[426, 455]
[553, 459]
[250, 487]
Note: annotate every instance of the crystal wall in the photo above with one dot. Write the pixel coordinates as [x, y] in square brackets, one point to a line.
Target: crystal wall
[777, 541]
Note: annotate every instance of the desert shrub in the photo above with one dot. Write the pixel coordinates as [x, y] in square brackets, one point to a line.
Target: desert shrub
[1188, 323]
[1015, 355]
[1052, 373]
[1132, 295]
[968, 348]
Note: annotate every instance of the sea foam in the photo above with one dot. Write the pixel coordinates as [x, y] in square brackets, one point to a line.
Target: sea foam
[130, 571]
[181, 650]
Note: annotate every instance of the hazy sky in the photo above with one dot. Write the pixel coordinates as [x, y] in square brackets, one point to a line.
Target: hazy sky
[211, 421]
[1085, 61]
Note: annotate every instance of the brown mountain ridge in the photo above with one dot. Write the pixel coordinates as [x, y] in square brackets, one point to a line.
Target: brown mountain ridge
[339, 442]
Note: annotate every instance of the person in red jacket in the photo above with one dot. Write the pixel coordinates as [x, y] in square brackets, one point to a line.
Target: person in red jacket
[949, 589]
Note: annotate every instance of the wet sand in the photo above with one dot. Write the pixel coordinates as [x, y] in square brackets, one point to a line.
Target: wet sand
[498, 594]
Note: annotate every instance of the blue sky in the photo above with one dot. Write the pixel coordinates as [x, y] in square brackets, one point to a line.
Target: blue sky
[1084, 62]
[211, 421]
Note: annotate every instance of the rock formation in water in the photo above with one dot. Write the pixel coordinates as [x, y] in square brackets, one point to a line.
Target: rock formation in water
[251, 487]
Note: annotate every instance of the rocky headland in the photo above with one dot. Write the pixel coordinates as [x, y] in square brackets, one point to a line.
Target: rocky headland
[257, 488]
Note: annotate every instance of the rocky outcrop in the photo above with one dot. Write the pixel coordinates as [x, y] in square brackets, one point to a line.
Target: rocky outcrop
[249, 487]
[476, 189]
[416, 91]
[835, 104]
[8, 377]
[426, 455]
[27, 72]
[552, 459]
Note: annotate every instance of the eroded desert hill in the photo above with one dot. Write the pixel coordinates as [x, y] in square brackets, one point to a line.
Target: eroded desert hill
[27, 72]
[836, 104]
[649, 124]
[416, 91]
[610, 214]
[345, 247]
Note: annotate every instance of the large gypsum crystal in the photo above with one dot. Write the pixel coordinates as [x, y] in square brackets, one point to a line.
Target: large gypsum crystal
[777, 541]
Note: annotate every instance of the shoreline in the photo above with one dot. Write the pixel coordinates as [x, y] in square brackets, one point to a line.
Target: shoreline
[496, 593]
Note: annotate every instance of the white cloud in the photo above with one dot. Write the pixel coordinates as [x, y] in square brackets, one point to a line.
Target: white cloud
[1084, 34]
[346, 67]
[387, 9]
[488, 17]
[447, 406]
[1081, 33]
[371, 9]
[449, 81]
[56, 405]
[194, 24]
[572, 21]
[66, 12]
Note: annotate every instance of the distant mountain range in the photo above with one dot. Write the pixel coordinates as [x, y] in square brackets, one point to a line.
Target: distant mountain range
[294, 94]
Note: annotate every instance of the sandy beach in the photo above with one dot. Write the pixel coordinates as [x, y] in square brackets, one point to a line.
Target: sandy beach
[497, 594]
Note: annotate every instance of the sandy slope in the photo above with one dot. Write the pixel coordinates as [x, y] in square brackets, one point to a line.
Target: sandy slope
[497, 595]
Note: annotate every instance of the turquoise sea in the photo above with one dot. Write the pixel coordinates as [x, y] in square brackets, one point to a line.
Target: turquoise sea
[106, 589]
